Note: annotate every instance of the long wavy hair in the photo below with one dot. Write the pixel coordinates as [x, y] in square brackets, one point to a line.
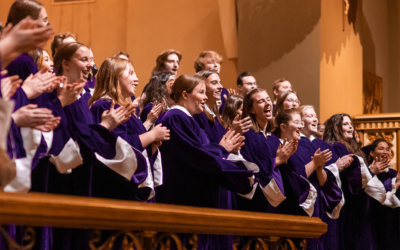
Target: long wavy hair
[157, 88]
[107, 81]
[247, 105]
[333, 133]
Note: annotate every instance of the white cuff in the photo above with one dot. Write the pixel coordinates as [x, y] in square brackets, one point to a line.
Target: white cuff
[149, 179]
[251, 194]
[376, 190]
[335, 171]
[6, 109]
[336, 211]
[273, 193]
[239, 157]
[68, 159]
[125, 162]
[308, 205]
[158, 171]
[48, 137]
[391, 198]
[365, 174]
[22, 182]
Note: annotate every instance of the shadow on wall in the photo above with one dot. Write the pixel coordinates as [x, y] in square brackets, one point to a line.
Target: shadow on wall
[269, 28]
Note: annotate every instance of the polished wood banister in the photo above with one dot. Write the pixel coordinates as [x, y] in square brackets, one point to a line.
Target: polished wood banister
[36, 209]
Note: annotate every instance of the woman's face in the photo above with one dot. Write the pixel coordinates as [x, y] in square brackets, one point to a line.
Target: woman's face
[197, 99]
[213, 87]
[292, 130]
[42, 18]
[382, 151]
[128, 81]
[240, 111]
[47, 62]
[347, 128]
[310, 122]
[172, 64]
[213, 65]
[79, 66]
[262, 107]
[291, 102]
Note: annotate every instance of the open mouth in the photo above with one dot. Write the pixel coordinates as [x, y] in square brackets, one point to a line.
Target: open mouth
[268, 111]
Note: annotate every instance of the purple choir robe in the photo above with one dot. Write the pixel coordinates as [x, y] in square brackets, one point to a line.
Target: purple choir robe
[354, 224]
[385, 219]
[195, 170]
[130, 131]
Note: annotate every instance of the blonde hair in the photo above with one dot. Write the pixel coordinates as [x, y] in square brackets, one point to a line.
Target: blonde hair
[304, 107]
[107, 81]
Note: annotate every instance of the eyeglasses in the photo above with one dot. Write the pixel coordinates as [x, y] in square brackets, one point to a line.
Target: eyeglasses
[293, 101]
[298, 123]
[252, 83]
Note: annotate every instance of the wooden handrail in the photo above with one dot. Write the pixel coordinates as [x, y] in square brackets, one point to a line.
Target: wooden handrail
[37, 209]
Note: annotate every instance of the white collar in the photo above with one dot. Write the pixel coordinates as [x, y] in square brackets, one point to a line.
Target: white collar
[312, 138]
[181, 108]
[281, 140]
[209, 110]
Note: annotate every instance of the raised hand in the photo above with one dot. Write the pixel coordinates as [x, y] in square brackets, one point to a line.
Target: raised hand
[232, 141]
[160, 133]
[231, 92]
[155, 112]
[41, 82]
[285, 150]
[68, 93]
[379, 166]
[321, 157]
[344, 162]
[110, 119]
[9, 85]
[241, 126]
[33, 117]
[23, 37]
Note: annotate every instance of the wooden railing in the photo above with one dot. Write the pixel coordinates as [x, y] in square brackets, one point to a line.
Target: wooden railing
[150, 226]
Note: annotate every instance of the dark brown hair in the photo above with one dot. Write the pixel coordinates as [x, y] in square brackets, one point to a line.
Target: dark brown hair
[184, 83]
[21, 9]
[64, 53]
[283, 117]
[247, 105]
[162, 58]
[279, 103]
[201, 60]
[58, 40]
[374, 145]
[333, 133]
[230, 109]
[157, 88]
[118, 54]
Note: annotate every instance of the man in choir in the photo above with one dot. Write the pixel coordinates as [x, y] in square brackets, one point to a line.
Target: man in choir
[168, 60]
[280, 86]
[245, 83]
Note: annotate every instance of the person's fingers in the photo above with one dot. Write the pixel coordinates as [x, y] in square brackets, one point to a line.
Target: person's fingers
[3, 72]
[325, 151]
[318, 151]
[284, 141]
